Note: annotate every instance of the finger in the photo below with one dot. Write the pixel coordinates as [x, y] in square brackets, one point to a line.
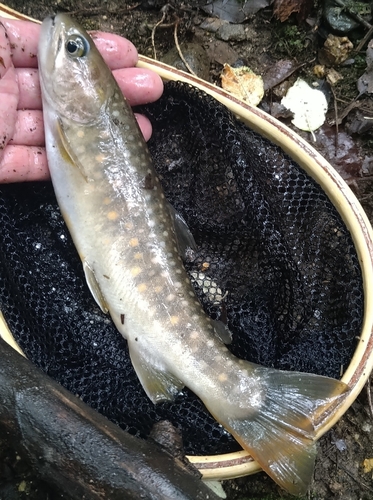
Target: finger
[24, 37]
[23, 163]
[29, 129]
[5, 52]
[140, 86]
[118, 52]
[8, 93]
[145, 126]
[29, 88]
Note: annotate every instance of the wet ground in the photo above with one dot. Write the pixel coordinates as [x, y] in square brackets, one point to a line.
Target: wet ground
[342, 469]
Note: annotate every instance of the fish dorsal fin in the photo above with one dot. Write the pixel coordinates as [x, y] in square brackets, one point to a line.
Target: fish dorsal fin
[67, 151]
[159, 384]
[184, 238]
[94, 287]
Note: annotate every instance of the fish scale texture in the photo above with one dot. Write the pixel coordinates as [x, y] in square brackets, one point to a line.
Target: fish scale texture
[274, 260]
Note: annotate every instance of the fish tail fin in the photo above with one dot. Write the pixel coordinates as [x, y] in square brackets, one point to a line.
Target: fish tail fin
[279, 431]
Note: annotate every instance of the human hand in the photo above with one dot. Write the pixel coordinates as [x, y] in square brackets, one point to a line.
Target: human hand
[22, 152]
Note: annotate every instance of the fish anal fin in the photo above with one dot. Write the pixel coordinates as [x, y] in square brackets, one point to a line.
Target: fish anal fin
[279, 430]
[66, 150]
[184, 238]
[94, 287]
[159, 384]
[222, 331]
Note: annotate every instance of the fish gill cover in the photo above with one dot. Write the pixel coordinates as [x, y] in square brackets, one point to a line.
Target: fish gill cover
[274, 260]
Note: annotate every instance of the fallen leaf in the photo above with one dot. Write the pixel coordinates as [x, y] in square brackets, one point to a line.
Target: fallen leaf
[368, 465]
[365, 82]
[278, 72]
[308, 105]
[282, 9]
[243, 83]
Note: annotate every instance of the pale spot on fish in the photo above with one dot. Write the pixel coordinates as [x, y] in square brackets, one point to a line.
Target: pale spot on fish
[80, 134]
[138, 256]
[112, 215]
[158, 289]
[170, 297]
[80, 149]
[100, 158]
[194, 335]
[142, 287]
[210, 343]
[107, 201]
[134, 242]
[223, 377]
[174, 320]
[135, 271]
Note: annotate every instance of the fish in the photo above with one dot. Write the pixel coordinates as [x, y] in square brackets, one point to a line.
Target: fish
[131, 244]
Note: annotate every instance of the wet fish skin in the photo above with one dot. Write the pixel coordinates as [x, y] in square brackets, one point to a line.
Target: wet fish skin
[116, 212]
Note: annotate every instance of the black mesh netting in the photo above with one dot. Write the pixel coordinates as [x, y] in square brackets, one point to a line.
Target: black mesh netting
[274, 259]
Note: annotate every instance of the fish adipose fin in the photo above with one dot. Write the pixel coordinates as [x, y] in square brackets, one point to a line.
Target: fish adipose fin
[158, 383]
[94, 287]
[280, 433]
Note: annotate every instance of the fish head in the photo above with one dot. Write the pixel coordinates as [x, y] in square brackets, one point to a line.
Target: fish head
[74, 78]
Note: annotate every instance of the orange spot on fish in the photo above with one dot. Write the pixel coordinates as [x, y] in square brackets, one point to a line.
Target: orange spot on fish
[112, 215]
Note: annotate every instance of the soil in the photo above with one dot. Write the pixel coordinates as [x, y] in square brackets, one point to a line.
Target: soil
[339, 472]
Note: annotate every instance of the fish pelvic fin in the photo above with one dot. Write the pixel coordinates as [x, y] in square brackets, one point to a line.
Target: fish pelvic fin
[279, 432]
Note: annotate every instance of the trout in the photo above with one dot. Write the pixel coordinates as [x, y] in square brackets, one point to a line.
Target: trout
[128, 240]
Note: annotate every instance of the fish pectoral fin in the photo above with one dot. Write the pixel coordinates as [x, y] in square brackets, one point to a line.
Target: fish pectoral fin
[184, 238]
[159, 384]
[222, 331]
[279, 431]
[94, 287]
[66, 149]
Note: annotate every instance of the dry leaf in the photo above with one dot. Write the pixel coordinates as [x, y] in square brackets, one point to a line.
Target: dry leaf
[368, 465]
[308, 105]
[243, 83]
[282, 9]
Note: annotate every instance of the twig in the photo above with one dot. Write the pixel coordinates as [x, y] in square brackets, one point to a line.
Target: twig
[365, 39]
[336, 144]
[164, 13]
[181, 55]
[369, 394]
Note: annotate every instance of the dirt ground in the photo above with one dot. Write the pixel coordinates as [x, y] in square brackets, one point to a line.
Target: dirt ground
[339, 472]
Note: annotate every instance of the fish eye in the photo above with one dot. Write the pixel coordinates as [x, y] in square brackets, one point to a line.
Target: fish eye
[77, 46]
